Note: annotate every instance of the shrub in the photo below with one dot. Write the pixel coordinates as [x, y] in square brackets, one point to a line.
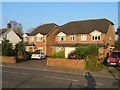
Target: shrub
[92, 50]
[7, 48]
[83, 51]
[58, 55]
[92, 64]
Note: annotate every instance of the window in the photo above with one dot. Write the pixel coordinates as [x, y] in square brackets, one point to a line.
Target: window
[41, 49]
[72, 38]
[39, 39]
[62, 38]
[83, 37]
[96, 37]
[58, 49]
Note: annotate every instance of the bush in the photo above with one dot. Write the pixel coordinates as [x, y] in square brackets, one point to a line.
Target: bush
[20, 50]
[92, 50]
[28, 55]
[83, 51]
[92, 64]
[58, 55]
[7, 48]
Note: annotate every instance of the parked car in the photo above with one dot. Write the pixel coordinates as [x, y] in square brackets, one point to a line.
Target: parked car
[72, 55]
[38, 55]
[114, 58]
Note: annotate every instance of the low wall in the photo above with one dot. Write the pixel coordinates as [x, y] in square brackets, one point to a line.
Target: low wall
[7, 59]
[70, 63]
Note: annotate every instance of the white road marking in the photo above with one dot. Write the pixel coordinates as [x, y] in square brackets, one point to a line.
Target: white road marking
[26, 68]
[15, 72]
[1, 65]
[60, 78]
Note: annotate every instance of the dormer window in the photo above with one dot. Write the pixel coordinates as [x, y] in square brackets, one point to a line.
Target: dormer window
[61, 36]
[95, 35]
[39, 39]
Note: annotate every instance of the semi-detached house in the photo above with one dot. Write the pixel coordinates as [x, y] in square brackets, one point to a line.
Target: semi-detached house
[40, 38]
[73, 34]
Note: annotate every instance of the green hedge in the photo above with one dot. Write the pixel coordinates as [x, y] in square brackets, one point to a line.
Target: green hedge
[83, 51]
[58, 55]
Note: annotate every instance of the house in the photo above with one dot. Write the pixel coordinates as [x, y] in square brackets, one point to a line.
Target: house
[53, 38]
[10, 35]
[41, 38]
[83, 33]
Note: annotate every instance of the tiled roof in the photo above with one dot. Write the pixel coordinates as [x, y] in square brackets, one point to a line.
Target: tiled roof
[2, 31]
[43, 29]
[85, 26]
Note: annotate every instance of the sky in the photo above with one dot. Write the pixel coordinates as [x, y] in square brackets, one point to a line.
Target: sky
[34, 14]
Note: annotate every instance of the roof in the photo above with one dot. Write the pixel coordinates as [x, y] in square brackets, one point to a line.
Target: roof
[2, 31]
[43, 29]
[85, 26]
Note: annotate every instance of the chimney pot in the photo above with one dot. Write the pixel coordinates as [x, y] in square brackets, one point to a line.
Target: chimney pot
[8, 26]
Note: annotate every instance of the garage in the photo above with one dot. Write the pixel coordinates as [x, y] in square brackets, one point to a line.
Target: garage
[67, 50]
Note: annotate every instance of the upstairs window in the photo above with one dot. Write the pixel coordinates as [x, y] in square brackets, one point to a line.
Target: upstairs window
[39, 39]
[83, 37]
[72, 38]
[62, 38]
[96, 37]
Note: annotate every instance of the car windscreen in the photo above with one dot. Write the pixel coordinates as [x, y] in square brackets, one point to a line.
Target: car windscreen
[115, 55]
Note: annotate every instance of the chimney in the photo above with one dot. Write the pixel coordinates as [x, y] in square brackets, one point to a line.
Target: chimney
[8, 25]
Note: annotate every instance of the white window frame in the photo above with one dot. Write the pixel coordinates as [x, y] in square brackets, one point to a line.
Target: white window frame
[72, 37]
[39, 39]
[97, 37]
[83, 37]
[58, 49]
[60, 38]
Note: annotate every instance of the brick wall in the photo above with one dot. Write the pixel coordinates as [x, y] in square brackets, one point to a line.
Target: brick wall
[7, 59]
[78, 64]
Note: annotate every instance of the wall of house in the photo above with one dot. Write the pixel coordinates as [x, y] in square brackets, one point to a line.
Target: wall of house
[110, 36]
[50, 41]
[78, 39]
[13, 38]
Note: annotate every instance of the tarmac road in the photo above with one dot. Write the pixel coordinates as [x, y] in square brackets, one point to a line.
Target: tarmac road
[23, 77]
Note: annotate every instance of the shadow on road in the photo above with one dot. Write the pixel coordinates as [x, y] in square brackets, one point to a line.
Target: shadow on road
[91, 83]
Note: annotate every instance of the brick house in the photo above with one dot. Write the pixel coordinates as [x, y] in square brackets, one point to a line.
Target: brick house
[83, 33]
[53, 38]
[40, 38]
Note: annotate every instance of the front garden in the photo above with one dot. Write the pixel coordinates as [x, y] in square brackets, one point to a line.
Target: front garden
[88, 55]
[13, 55]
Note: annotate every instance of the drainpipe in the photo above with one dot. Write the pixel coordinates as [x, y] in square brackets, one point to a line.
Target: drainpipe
[45, 44]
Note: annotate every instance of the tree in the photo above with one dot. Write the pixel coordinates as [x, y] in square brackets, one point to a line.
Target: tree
[7, 48]
[20, 50]
[17, 27]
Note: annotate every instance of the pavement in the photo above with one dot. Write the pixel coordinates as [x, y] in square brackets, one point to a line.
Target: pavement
[42, 65]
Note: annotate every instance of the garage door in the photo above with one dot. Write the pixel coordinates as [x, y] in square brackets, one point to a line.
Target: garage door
[67, 50]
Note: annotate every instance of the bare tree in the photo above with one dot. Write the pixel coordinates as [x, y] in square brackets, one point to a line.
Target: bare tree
[17, 27]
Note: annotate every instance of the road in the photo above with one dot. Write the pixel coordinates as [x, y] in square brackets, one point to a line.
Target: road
[22, 77]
